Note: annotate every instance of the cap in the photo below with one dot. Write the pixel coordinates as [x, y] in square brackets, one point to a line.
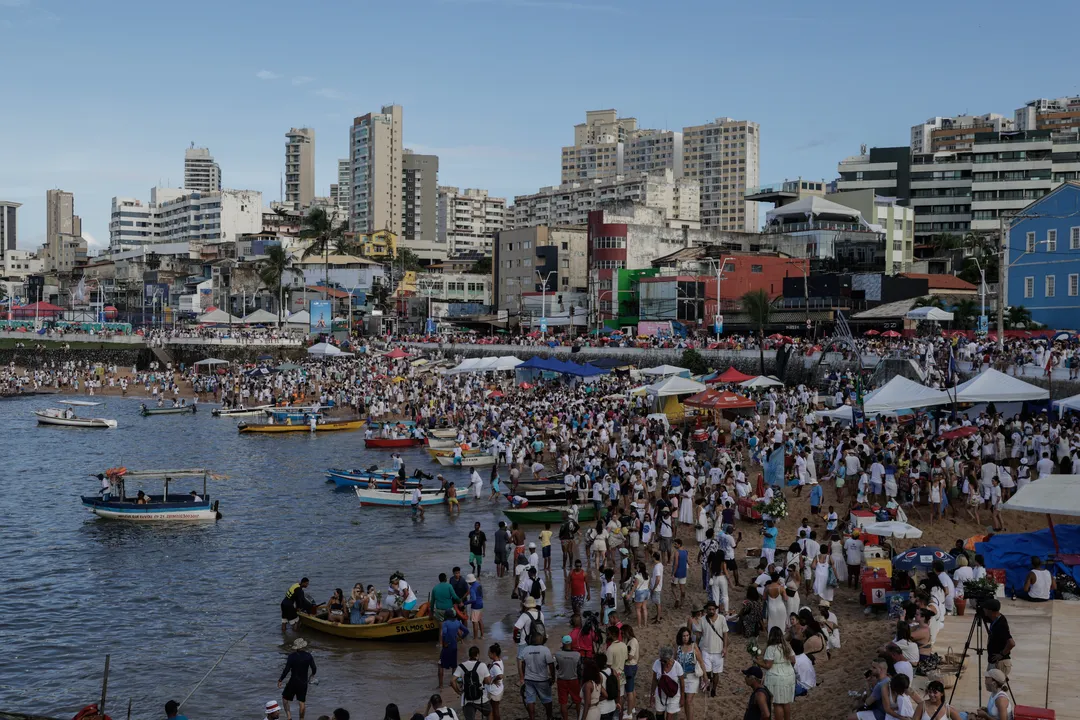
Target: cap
[566, 639]
[272, 707]
[470, 578]
[532, 546]
[753, 671]
[996, 675]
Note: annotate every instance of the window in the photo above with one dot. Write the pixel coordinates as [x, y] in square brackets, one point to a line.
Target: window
[1029, 287]
[1030, 242]
[1051, 240]
[729, 267]
[757, 269]
[1074, 285]
[1048, 290]
[1074, 238]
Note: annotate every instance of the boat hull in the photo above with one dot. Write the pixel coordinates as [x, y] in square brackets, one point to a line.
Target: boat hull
[468, 461]
[246, 412]
[549, 515]
[540, 497]
[154, 512]
[384, 498]
[407, 630]
[437, 443]
[332, 426]
[100, 423]
[372, 443]
[187, 409]
[443, 433]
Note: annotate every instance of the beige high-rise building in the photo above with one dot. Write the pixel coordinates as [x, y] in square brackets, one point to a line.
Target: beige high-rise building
[201, 172]
[723, 157]
[469, 219]
[65, 248]
[300, 166]
[597, 151]
[375, 154]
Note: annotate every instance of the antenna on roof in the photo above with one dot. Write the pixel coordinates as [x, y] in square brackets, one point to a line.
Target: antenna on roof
[862, 149]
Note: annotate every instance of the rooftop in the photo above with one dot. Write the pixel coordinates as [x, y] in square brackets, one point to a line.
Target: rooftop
[942, 282]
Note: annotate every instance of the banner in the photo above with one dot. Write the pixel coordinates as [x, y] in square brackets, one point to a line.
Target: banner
[321, 316]
[774, 466]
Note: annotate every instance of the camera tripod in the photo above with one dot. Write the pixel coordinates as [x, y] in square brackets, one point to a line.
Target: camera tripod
[976, 633]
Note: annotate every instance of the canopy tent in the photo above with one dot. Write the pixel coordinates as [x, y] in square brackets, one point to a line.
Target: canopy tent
[396, 353]
[761, 381]
[302, 318]
[901, 394]
[929, 313]
[674, 385]
[731, 375]
[665, 371]
[893, 528]
[260, 317]
[487, 364]
[218, 317]
[1057, 494]
[326, 350]
[210, 361]
[719, 400]
[607, 363]
[1069, 403]
[993, 386]
[844, 413]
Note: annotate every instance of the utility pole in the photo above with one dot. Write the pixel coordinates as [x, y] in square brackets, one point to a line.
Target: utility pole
[1003, 281]
[543, 299]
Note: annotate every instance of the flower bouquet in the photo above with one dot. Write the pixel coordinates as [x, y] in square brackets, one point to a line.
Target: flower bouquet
[776, 508]
[982, 589]
[752, 648]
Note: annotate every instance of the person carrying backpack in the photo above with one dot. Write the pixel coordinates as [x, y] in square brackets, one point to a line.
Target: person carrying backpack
[526, 625]
[470, 681]
[436, 710]
[610, 692]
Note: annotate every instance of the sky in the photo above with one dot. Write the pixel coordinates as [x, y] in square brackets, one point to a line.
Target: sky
[101, 98]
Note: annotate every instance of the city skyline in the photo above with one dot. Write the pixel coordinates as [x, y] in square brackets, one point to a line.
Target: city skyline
[247, 99]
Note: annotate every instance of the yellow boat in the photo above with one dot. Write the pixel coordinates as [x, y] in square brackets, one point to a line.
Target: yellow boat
[443, 452]
[328, 426]
[401, 630]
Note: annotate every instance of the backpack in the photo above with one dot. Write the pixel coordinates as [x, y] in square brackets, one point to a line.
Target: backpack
[611, 685]
[537, 633]
[446, 713]
[535, 591]
[473, 690]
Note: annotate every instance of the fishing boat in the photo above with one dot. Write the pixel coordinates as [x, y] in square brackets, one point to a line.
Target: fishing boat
[378, 498]
[59, 416]
[397, 630]
[175, 507]
[531, 498]
[175, 410]
[549, 514]
[480, 460]
[284, 410]
[239, 411]
[392, 423]
[300, 427]
[437, 443]
[371, 443]
[357, 473]
[443, 452]
[345, 481]
[443, 433]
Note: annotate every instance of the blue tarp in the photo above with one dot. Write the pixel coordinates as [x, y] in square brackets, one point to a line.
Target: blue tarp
[559, 366]
[1012, 552]
[538, 363]
[609, 363]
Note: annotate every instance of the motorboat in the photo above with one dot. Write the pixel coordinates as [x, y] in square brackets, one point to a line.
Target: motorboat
[300, 426]
[240, 411]
[116, 504]
[478, 460]
[174, 410]
[67, 418]
[420, 628]
[378, 498]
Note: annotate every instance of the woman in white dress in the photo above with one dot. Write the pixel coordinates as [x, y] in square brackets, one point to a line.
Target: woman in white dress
[702, 522]
[776, 612]
[839, 564]
[821, 566]
[686, 505]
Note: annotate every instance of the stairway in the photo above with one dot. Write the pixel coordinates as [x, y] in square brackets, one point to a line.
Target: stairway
[163, 355]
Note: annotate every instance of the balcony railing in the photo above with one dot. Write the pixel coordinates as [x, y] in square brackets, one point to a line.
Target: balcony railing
[815, 225]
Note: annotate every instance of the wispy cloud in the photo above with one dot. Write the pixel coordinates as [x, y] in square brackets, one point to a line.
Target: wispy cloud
[267, 75]
[302, 80]
[545, 4]
[330, 93]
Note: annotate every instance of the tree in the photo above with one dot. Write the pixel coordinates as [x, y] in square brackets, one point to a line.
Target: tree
[407, 259]
[271, 272]
[1018, 316]
[930, 301]
[482, 266]
[964, 314]
[758, 308]
[692, 361]
[324, 233]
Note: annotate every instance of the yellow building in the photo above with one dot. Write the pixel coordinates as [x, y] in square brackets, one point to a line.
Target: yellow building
[378, 245]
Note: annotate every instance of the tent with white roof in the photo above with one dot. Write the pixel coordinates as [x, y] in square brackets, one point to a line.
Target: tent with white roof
[929, 313]
[487, 364]
[993, 386]
[901, 394]
[260, 317]
[665, 371]
[217, 317]
[675, 385]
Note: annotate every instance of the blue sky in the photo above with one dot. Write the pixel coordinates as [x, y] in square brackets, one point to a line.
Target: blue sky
[101, 98]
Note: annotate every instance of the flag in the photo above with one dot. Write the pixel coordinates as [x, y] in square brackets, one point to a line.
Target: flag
[774, 467]
[952, 374]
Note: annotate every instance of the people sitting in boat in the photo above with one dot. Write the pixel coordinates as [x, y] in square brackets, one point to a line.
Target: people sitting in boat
[160, 402]
[142, 498]
[335, 607]
[195, 497]
[68, 413]
[368, 434]
[404, 599]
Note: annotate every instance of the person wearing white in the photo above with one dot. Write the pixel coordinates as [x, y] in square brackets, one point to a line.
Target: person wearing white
[477, 483]
[666, 665]
[1040, 584]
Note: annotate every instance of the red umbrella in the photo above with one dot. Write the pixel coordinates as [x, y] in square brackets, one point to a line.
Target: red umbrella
[496, 394]
[396, 353]
[776, 336]
[525, 386]
[871, 332]
[890, 334]
[959, 433]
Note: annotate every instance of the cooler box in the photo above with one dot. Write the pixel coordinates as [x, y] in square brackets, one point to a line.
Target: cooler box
[746, 509]
[1026, 712]
[880, 564]
[861, 518]
[874, 584]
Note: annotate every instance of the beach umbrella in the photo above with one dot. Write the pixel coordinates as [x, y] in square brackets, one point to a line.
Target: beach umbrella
[893, 528]
[962, 432]
[890, 334]
[496, 394]
[871, 332]
[921, 558]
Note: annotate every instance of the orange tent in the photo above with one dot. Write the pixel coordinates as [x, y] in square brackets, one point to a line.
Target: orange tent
[719, 400]
[731, 375]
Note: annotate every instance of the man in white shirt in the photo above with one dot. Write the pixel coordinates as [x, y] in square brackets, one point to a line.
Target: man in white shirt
[900, 666]
[656, 585]
[1045, 466]
[805, 675]
[467, 676]
[853, 556]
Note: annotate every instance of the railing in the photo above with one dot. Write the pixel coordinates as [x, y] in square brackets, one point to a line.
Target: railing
[817, 225]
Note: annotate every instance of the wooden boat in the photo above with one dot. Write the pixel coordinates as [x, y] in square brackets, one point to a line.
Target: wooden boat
[324, 426]
[392, 423]
[480, 460]
[397, 630]
[449, 452]
[291, 409]
[443, 433]
[175, 507]
[437, 443]
[345, 481]
[371, 443]
[239, 412]
[58, 416]
[359, 474]
[384, 498]
[176, 410]
[531, 498]
[551, 515]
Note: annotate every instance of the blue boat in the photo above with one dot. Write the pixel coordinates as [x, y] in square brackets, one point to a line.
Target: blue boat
[382, 498]
[176, 506]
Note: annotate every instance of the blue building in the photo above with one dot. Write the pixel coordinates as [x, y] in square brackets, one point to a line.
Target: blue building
[1044, 258]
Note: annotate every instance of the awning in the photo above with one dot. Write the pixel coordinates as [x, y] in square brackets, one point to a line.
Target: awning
[719, 400]
[929, 313]
[901, 393]
[665, 370]
[993, 386]
[674, 385]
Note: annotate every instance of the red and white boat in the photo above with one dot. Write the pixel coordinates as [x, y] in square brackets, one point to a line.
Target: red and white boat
[392, 442]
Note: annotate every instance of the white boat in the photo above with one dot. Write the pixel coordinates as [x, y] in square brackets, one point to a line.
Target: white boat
[467, 461]
[443, 433]
[385, 498]
[59, 416]
[240, 412]
[435, 443]
[176, 506]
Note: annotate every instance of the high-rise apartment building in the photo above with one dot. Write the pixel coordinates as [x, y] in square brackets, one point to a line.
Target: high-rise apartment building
[65, 248]
[200, 171]
[951, 134]
[1043, 114]
[341, 191]
[468, 220]
[299, 166]
[420, 205]
[649, 150]
[598, 146]
[9, 226]
[375, 156]
[180, 215]
[723, 156]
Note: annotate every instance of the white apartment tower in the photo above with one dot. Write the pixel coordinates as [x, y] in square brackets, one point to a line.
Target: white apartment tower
[375, 155]
[723, 157]
[180, 215]
[341, 191]
[299, 166]
[200, 170]
[469, 219]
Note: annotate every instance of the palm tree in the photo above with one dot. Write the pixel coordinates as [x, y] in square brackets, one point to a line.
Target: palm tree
[1018, 316]
[324, 233]
[271, 272]
[964, 312]
[758, 308]
[930, 301]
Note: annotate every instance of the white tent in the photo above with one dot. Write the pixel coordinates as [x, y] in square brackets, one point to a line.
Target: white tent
[300, 319]
[326, 350]
[665, 370]
[901, 393]
[217, 317]
[993, 386]
[1069, 403]
[929, 313]
[260, 317]
[760, 381]
[487, 364]
[844, 413]
[1053, 494]
[211, 361]
[893, 528]
[675, 386]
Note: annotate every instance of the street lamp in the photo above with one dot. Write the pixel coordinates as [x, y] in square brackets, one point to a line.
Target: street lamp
[719, 266]
[543, 299]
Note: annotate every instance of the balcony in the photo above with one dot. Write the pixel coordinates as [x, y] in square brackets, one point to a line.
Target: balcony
[816, 225]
